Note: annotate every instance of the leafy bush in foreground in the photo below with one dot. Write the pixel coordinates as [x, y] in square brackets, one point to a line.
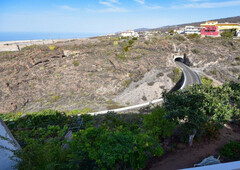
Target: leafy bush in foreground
[108, 142]
[200, 107]
[44, 150]
[158, 125]
[106, 149]
[231, 151]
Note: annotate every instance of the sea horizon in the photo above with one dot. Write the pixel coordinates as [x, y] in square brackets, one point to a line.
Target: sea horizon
[23, 36]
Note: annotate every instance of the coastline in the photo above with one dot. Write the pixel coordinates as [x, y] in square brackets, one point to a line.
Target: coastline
[19, 44]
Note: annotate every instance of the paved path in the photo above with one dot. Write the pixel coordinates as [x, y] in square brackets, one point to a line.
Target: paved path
[190, 77]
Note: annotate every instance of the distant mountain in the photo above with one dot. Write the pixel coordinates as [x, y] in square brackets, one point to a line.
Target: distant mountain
[141, 29]
[221, 20]
[167, 28]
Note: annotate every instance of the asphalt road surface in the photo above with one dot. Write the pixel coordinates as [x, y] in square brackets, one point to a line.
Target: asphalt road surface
[190, 77]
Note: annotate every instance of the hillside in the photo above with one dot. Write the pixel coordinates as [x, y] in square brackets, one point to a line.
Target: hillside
[105, 73]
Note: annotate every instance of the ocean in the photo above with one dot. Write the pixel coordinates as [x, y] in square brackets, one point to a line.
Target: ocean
[16, 36]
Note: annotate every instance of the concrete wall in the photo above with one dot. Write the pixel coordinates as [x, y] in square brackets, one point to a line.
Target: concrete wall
[7, 145]
[222, 166]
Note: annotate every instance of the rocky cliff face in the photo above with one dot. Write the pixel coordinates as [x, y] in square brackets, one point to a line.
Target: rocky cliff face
[105, 72]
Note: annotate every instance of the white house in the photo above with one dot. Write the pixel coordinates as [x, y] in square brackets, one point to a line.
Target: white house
[238, 33]
[192, 30]
[130, 33]
[180, 31]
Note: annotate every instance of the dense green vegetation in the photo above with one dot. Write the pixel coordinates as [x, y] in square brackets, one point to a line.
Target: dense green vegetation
[228, 33]
[202, 108]
[231, 151]
[122, 141]
[206, 80]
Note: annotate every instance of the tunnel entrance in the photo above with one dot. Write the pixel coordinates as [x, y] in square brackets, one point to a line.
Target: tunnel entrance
[179, 59]
[182, 58]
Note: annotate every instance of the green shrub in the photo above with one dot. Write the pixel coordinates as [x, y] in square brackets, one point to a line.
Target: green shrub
[114, 106]
[171, 32]
[176, 74]
[200, 106]
[193, 36]
[126, 83]
[214, 72]
[146, 42]
[121, 56]
[231, 151]
[75, 63]
[44, 151]
[53, 99]
[135, 38]
[158, 125]
[206, 81]
[235, 96]
[127, 47]
[115, 43]
[35, 119]
[131, 42]
[237, 58]
[30, 47]
[179, 37]
[124, 38]
[228, 34]
[102, 148]
[196, 51]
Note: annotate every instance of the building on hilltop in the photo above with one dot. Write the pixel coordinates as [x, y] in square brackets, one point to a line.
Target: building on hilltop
[209, 23]
[129, 33]
[180, 30]
[220, 26]
[227, 26]
[192, 30]
[210, 31]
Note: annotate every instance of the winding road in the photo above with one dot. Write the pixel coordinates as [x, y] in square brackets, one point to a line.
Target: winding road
[190, 78]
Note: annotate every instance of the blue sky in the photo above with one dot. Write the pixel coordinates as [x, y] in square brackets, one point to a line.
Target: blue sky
[106, 16]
